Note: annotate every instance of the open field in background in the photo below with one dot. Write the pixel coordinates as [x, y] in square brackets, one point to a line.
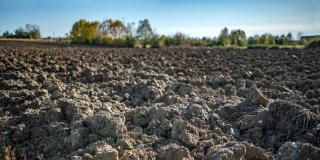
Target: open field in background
[17, 41]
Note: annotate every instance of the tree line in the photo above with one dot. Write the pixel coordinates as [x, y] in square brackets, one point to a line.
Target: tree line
[117, 33]
[30, 31]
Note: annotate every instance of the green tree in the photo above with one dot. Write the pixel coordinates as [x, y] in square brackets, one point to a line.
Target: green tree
[144, 30]
[21, 33]
[290, 38]
[253, 40]
[30, 31]
[145, 33]
[283, 40]
[84, 31]
[299, 35]
[238, 38]
[6, 34]
[224, 38]
[180, 39]
[33, 31]
[266, 39]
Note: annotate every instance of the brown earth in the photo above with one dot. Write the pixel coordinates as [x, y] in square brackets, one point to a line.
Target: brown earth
[77, 102]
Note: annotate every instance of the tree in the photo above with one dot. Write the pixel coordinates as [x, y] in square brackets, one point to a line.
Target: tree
[181, 39]
[238, 38]
[84, 31]
[33, 31]
[224, 38]
[299, 35]
[266, 39]
[30, 31]
[144, 30]
[115, 29]
[253, 40]
[290, 38]
[6, 34]
[283, 40]
[21, 33]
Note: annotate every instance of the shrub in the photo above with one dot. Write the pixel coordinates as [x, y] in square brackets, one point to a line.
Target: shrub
[258, 47]
[118, 43]
[130, 41]
[275, 47]
[137, 44]
[159, 42]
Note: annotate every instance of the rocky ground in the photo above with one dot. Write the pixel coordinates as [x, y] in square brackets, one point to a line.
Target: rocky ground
[59, 102]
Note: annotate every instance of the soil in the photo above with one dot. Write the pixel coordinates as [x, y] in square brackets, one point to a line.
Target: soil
[78, 102]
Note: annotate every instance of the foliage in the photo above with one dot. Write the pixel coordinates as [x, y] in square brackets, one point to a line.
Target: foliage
[266, 39]
[145, 35]
[238, 38]
[258, 46]
[290, 38]
[253, 40]
[33, 31]
[117, 33]
[202, 42]
[84, 31]
[180, 39]
[115, 29]
[314, 44]
[284, 39]
[144, 30]
[224, 38]
[159, 42]
[137, 43]
[30, 31]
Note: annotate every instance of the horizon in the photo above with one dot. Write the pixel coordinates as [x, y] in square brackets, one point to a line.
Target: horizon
[202, 18]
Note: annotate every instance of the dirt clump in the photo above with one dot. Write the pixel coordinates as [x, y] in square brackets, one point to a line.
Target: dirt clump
[297, 150]
[76, 102]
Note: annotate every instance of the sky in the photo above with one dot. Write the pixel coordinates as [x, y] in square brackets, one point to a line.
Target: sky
[195, 18]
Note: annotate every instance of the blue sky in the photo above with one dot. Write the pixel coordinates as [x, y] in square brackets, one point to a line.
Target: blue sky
[193, 17]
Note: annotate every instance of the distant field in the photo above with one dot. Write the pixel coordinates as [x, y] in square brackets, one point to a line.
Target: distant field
[19, 42]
